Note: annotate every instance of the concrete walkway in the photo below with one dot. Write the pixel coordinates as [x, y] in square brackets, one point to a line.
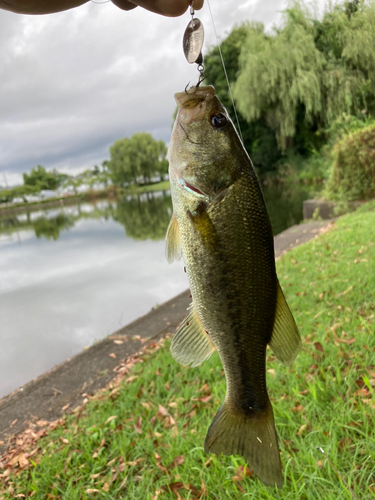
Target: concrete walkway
[46, 396]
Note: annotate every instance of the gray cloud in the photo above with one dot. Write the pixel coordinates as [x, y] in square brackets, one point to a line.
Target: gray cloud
[74, 82]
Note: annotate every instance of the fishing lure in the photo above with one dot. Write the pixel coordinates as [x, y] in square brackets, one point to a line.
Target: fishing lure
[192, 43]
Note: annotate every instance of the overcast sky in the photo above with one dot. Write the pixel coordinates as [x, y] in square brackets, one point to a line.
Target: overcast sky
[72, 83]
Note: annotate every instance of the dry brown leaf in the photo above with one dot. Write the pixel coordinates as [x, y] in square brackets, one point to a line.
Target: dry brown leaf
[298, 408]
[138, 426]
[65, 407]
[112, 355]
[162, 410]
[177, 461]
[92, 490]
[318, 346]
[23, 460]
[118, 342]
[14, 422]
[130, 379]
[105, 486]
[42, 423]
[109, 419]
[301, 429]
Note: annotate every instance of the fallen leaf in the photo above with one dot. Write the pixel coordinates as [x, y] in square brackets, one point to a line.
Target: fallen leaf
[14, 422]
[118, 342]
[123, 483]
[130, 379]
[162, 410]
[109, 419]
[318, 346]
[92, 490]
[177, 461]
[22, 460]
[301, 429]
[369, 402]
[138, 426]
[298, 408]
[41, 423]
[112, 355]
[112, 461]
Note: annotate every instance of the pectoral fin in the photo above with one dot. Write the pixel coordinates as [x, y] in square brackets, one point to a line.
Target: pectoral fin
[191, 344]
[202, 225]
[285, 341]
[173, 246]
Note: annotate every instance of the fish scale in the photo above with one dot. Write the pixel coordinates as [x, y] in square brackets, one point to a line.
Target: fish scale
[221, 227]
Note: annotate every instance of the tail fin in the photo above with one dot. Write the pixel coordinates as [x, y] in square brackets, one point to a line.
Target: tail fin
[253, 437]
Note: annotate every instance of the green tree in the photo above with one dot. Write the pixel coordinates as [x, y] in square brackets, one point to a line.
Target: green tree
[308, 72]
[259, 139]
[135, 158]
[42, 179]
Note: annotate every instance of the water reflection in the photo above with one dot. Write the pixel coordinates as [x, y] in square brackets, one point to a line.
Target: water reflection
[73, 274]
[284, 205]
[143, 217]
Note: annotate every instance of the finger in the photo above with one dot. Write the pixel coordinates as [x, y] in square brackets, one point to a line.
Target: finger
[170, 8]
[124, 4]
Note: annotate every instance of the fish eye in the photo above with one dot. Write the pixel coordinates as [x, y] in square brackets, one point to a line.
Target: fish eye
[218, 120]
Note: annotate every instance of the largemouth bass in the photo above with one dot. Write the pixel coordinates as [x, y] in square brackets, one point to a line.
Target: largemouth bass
[221, 228]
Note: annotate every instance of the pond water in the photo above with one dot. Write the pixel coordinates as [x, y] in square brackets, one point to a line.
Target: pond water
[72, 275]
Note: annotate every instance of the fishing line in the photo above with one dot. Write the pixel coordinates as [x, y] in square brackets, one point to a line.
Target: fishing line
[225, 71]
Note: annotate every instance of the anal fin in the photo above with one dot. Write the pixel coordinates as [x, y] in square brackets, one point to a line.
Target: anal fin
[285, 341]
[191, 344]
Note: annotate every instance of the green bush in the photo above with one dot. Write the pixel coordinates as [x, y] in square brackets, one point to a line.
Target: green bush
[353, 168]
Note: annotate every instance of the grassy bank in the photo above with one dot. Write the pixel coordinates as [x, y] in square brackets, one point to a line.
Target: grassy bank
[158, 186]
[143, 437]
[91, 195]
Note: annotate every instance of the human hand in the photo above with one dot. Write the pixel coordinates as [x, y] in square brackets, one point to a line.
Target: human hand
[170, 8]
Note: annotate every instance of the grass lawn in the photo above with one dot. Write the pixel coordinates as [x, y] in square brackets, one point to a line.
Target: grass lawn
[158, 186]
[143, 437]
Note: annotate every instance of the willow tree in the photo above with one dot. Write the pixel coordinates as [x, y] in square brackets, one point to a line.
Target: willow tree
[258, 138]
[140, 156]
[309, 72]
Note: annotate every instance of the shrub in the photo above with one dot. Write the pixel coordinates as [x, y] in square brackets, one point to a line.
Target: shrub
[353, 169]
